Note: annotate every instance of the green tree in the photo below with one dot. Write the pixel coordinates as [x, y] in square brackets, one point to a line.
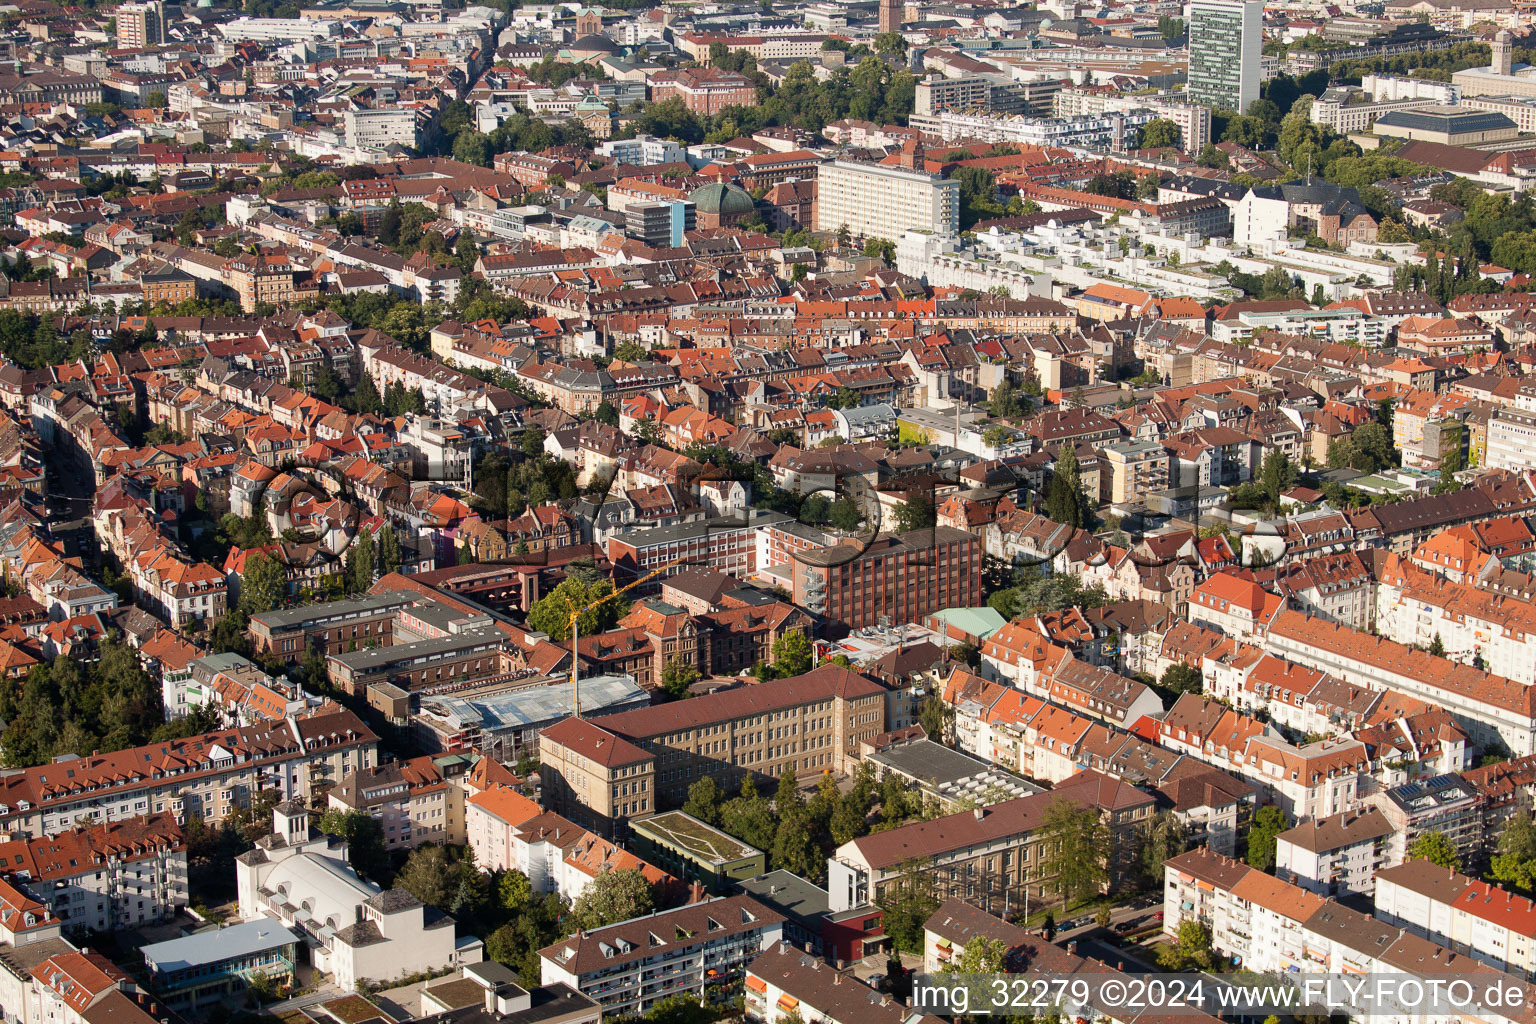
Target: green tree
[551, 613]
[916, 513]
[1005, 403]
[845, 515]
[1437, 646]
[1157, 134]
[1436, 848]
[264, 586]
[704, 801]
[389, 551]
[360, 563]
[1276, 475]
[365, 841]
[1166, 838]
[677, 676]
[613, 896]
[1212, 157]
[1180, 678]
[1268, 822]
[436, 874]
[749, 817]
[1515, 862]
[156, 100]
[1191, 948]
[908, 904]
[513, 891]
[792, 654]
[1075, 841]
[1066, 500]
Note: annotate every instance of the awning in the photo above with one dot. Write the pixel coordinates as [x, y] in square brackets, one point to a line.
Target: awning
[756, 984]
[788, 1002]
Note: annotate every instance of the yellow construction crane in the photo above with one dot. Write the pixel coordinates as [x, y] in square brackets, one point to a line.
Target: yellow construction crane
[575, 631]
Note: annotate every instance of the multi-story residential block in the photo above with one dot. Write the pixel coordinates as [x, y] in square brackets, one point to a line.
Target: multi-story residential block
[378, 129]
[1337, 855]
[207, 776]
[702, 950]
[885, 201]
[105, 877]
[268, 277]
[704, 90]
[140, 25]
[600, 774]
[1444, 803]
[413, 802]
[1492, 924]
[893, 577]
[1494, 711]
[991, 856]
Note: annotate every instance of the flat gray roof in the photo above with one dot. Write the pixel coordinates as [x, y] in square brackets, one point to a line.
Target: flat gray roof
[284, 617]
[434, 647]
[789, 894]
[211, 947]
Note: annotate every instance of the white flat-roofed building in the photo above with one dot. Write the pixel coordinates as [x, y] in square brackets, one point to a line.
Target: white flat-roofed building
[881, 201]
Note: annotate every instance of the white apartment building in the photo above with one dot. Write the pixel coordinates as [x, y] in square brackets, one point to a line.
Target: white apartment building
[1336, 855]
[1224, 43]
[1194, 121]
[376, 129]
[1512, 434]
[279, 30]
[630, 966]
[642, 151]
[879, 201]
[1112, 129]
[100, 878]
[1414, 608]
[1519, 109]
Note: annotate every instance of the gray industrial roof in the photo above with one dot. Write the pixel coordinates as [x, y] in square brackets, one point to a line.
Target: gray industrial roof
[1455, 120]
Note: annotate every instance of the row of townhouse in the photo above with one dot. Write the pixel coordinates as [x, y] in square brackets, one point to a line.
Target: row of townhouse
[74, 428]
[1492, 621]
[1470, 916]
[51, 578]
[165, 578]
[208, 776]
[1020, 656]
[1495, 712]
[1272, 926]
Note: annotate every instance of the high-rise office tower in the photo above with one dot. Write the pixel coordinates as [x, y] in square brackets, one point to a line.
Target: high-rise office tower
[890, 15]
[1225, 37]
[140, 25]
